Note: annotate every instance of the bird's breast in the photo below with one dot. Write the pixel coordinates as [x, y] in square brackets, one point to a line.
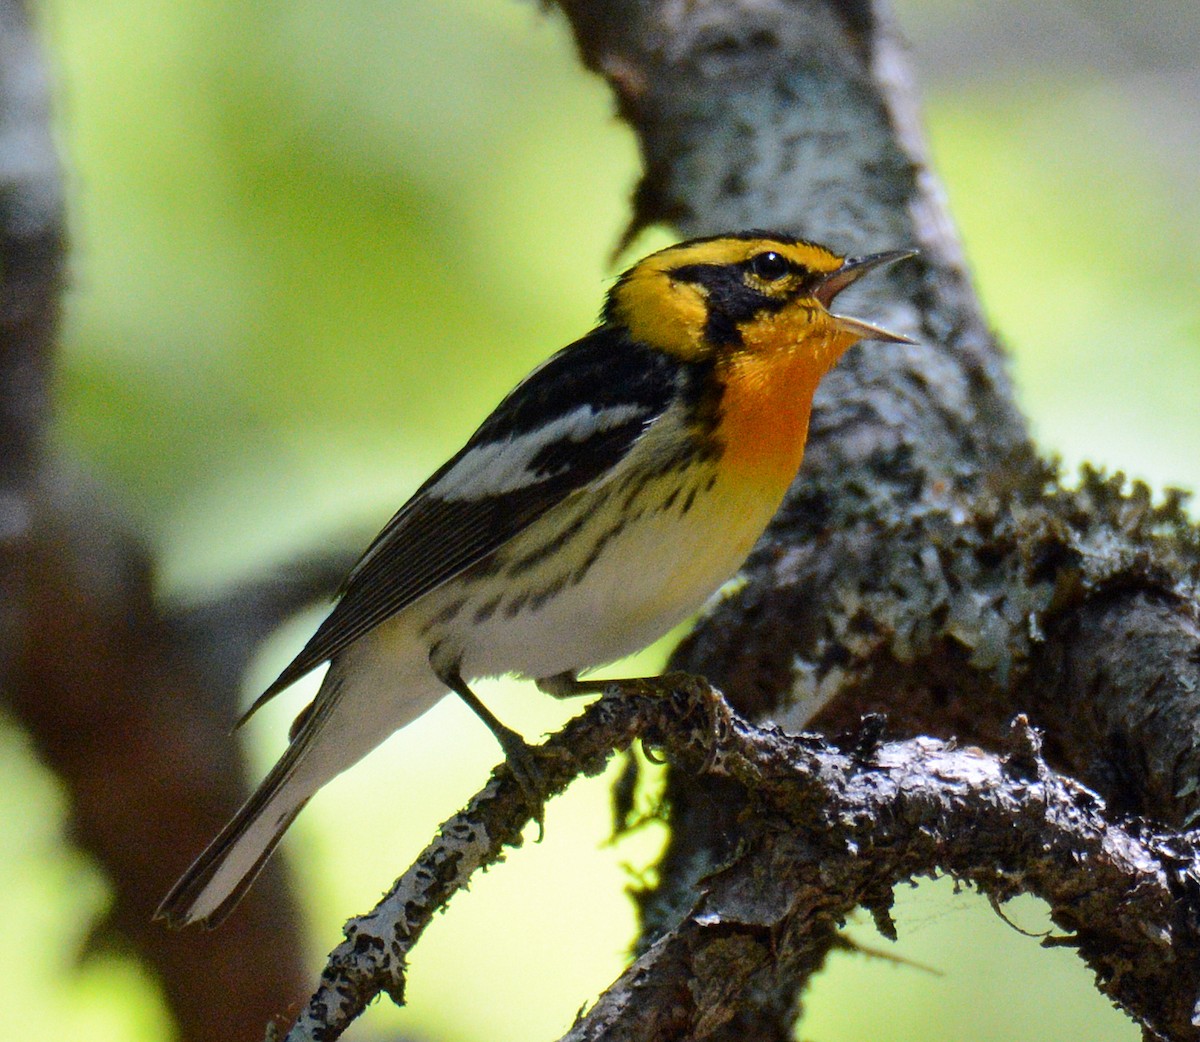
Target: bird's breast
[642, 555]
[765, 408]
[612, 568]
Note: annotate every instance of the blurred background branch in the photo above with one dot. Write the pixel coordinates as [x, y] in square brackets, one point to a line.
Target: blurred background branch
[120, 700]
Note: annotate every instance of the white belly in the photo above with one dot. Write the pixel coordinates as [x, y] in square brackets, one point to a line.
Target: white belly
[617, 586]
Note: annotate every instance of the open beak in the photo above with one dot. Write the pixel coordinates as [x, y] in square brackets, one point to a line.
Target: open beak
[853, 269]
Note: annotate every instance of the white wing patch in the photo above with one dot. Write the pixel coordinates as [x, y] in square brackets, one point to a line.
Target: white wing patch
[501, 467]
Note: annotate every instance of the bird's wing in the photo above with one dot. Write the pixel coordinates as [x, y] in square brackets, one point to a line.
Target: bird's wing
[561, 429]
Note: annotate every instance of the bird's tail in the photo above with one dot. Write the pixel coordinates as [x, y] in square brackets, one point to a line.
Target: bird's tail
[370, 690]
[217, 880]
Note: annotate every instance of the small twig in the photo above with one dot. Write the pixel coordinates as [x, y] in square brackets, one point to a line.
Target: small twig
[849, 944]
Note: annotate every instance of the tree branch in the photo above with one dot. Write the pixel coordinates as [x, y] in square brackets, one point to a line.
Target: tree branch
[835, 830]
[373, 956]
[127, 700]
[831, 830]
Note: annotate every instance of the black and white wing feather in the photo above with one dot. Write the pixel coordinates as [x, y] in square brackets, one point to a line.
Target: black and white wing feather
[563, 428]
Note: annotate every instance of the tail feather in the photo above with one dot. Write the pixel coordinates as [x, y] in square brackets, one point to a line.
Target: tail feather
[370, 690]
[210, 889]
[219, 878]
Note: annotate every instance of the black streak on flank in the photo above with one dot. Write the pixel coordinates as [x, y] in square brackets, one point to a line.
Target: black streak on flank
[448, 613]
[445, 616]
[542, 596]
[488, 609]
[602, 541]
[549, 548]
[513, 608]
[636, 488]
[564, 536]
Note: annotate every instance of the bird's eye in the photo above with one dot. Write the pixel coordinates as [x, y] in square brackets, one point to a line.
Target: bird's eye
[769, 266]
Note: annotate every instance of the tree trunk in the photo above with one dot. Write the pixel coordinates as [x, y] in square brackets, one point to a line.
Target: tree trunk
[927, 565]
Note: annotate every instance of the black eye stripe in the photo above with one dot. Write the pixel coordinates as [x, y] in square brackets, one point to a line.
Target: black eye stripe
[730, 298]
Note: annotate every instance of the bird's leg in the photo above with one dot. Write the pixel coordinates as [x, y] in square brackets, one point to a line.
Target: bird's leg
[518, 753]
[568, 685]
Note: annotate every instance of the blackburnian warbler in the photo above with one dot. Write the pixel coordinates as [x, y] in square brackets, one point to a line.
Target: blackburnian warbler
[605, 499]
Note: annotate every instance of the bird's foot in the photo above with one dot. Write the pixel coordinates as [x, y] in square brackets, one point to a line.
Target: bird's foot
[521, 759]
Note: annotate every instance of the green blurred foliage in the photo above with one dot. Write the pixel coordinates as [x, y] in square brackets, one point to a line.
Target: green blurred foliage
[1085, 246]
[313, 243]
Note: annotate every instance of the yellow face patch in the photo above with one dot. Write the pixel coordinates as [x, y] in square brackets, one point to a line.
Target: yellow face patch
[665, 311]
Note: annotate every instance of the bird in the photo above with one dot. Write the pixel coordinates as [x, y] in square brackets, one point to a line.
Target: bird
[604, 501]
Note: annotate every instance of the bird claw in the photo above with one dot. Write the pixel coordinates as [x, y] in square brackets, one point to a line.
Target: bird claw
[521, 759]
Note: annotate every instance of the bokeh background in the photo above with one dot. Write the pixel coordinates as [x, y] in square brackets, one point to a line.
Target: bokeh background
[314, 242]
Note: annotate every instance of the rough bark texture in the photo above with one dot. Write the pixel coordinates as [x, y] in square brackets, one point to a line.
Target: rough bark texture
[828, 830]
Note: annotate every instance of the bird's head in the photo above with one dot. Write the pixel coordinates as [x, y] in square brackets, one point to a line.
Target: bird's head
[751, 291]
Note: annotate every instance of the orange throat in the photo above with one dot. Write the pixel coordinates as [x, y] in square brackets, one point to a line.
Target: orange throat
[766, 407]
